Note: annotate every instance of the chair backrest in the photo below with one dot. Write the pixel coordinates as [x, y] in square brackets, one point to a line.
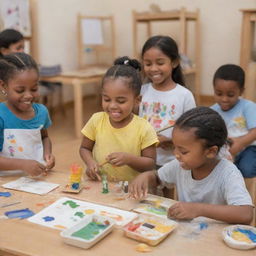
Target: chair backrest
[96, 41]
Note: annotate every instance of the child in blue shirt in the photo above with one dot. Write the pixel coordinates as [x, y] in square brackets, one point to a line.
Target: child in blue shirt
[24, 141]
[239, 115]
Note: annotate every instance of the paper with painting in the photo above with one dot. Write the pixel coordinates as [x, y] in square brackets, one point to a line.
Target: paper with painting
[154, 205]
[67, 212]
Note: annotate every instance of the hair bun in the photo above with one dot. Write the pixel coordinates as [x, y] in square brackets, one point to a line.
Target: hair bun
[125, 60]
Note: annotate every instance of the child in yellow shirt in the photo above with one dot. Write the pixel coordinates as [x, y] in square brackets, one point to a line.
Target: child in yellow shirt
[117, 137]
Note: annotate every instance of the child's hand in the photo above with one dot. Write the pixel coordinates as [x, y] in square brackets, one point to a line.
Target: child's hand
[118, 158]
[138, 189]
[164, 142]
[236, 146]
[183, 211]
[50, 161]
[92, 170]
[32, 167]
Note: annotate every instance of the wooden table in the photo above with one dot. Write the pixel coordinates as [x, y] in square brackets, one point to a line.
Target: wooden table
[77, 79]
[23, 238]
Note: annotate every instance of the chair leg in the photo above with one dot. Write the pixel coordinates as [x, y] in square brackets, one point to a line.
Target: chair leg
[251, 187]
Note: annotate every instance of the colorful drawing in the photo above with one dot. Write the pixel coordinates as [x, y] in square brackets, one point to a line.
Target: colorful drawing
[154, 205]
[67, 212]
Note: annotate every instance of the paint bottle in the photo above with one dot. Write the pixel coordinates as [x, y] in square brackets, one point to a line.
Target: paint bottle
[104, 184]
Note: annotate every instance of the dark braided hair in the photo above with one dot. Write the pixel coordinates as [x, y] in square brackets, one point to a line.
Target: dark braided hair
[169, 47]
[15, 62]
[208, 123]
[126, 68]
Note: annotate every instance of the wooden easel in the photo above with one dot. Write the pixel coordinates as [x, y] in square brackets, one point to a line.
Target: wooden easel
[98, 54]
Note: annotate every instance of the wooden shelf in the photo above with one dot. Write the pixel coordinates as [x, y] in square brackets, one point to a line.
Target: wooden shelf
[247, 38]
[183, 17]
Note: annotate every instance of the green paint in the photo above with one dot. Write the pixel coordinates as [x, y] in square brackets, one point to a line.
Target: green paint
[90, 230]
[72, 204]
[79, 214]
[157, 210]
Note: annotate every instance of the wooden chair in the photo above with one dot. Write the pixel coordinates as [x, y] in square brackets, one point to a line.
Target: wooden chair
[251, 187]
[96, 41]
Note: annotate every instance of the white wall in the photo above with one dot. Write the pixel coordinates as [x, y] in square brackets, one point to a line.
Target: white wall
[55, 29]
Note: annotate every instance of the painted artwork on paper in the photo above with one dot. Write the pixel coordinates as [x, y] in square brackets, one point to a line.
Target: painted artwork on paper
[67, 212]
[154, 205]
[15, 14]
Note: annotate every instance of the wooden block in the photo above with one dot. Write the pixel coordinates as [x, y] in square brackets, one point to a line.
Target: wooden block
[69, 189]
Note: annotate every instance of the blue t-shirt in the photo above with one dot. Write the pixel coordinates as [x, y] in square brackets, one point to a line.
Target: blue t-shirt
[239, 119]
[9, 121]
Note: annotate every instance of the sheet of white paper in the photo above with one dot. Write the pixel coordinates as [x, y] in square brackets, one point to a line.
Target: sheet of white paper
[66, 212]
[30, 185]
[92, 31]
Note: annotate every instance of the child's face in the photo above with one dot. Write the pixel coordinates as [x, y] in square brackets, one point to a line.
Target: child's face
[157, 66]
[13, 48]
[22, 91]
[189, 150]
[226, 93]
[118, 100]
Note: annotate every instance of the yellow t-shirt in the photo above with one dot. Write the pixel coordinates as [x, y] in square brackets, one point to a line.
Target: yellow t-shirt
[133, 138]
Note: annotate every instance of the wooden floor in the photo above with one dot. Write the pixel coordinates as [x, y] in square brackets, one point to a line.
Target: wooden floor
[65, 145]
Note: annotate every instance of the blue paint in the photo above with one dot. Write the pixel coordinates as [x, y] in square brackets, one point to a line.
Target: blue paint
[22, 214]
[48, 218]
[75, 186]
[250, 234]
[203, 225]
[5, 194]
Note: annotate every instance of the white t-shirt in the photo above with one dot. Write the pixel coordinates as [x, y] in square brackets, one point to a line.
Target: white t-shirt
[162, 109]
[224, 185]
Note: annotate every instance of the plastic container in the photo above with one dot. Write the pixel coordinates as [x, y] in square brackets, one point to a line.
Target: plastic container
[150, 230]
[88, 232]
[240, 236]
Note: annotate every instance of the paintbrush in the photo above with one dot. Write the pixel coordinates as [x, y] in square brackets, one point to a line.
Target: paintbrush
[7, 205]
[165, 128]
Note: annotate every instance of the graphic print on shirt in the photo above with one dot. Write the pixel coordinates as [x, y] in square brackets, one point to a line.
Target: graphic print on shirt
[158, 115]
[13, 147]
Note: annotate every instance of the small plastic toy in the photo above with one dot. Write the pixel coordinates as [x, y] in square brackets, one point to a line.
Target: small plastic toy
[75, 179]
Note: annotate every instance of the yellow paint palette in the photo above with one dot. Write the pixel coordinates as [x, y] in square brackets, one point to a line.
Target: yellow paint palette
[240, 236]
[149, 229]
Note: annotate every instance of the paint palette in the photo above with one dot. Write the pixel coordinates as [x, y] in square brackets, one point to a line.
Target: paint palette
[88, 232]
[150, 230]
[240, 237]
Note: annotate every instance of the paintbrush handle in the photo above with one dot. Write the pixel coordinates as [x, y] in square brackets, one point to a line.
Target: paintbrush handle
[165, 128]
[100, 165]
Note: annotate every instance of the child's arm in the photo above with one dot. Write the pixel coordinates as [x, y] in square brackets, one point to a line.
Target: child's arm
[164, 142]
[228, 213]
[140, 163]
[139, 186]
[31, 167]
[47, 145]
[86, 154]
[239, 143]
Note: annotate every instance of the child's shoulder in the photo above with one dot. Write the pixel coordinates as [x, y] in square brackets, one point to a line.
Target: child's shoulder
[245, 103]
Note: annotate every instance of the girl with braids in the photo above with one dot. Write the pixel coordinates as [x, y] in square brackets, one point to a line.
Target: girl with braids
[165, 97]
[117, 137]
[207, 185]
[24, 142]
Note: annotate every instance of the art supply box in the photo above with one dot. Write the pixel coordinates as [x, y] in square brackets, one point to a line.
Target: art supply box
[150, 230]
[88, 232]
